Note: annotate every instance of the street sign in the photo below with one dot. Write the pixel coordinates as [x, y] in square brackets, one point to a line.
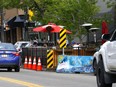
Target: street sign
[62, 38]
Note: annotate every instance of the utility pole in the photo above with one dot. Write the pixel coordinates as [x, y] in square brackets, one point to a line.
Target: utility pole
[26, 24]
[2, 24]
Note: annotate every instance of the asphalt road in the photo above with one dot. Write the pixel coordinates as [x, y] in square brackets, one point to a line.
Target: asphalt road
[30, 78]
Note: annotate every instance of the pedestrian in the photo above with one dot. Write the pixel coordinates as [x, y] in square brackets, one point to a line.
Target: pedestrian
[35, 44]
[58, 41]
[45, 45]
[75, 45]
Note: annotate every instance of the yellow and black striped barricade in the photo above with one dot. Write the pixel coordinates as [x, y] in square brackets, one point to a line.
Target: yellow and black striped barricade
[63, 39]
[50, 59]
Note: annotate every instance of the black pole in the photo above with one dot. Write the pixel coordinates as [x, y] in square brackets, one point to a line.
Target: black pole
[87, 28]
[25, 24]
[2, 25]
[87, 37]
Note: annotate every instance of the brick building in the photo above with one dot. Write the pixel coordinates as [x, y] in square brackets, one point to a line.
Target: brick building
[12, 34]
[15, 26]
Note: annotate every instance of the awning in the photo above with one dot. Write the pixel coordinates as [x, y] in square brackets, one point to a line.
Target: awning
[16, 21]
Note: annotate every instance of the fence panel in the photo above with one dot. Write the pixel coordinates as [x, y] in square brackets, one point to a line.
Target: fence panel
[41, 52]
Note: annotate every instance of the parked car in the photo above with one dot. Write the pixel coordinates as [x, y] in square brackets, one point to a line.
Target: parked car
[20, 44]
[9, 57]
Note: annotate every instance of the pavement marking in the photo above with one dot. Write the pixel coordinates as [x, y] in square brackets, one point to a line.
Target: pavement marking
[20, 82]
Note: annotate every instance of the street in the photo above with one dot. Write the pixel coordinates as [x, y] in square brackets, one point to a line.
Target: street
[66, 35]
[30, 78]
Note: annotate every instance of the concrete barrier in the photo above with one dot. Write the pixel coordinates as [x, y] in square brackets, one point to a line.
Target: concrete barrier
[73, 64]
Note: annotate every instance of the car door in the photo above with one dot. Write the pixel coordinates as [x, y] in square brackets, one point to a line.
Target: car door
[111, 52]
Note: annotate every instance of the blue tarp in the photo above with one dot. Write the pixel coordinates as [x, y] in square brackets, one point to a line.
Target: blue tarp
[72, 64]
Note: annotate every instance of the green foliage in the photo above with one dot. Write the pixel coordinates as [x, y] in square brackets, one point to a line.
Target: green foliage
[72, 14]
[69, 13]
[110, 3]
[9, 3]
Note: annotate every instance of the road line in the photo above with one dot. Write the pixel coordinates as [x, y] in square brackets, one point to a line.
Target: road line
[20, 82]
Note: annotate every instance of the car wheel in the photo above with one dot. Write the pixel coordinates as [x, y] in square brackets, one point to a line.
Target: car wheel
[100, 76]
[17, 69]
[94, 67]
[9, 69]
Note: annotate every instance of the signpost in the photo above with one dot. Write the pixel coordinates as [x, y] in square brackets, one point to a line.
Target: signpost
[63, 39]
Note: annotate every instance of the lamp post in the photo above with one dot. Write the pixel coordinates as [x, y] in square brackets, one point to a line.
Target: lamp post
[94, 30]
[87, 27]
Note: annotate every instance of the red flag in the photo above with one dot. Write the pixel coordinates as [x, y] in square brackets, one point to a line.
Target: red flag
[104, 29]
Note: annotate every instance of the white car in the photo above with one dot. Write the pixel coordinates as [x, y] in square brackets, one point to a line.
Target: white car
[104, 61]
[20, 44]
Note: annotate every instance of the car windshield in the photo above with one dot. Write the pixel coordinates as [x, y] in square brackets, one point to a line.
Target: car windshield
[17, 44]
[21, 44]
[6, 46]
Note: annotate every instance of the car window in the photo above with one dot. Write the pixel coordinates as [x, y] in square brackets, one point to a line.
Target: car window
[4, 46]
[113, 36]
[28, 45]
[17, 44]
[23, 45]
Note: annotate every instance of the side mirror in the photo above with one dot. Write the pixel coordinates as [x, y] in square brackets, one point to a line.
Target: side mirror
[105, 36]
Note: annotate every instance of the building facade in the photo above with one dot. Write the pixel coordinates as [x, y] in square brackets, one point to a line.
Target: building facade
[11, 34]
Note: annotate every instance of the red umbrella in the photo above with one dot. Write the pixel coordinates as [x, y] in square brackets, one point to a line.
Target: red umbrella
[104, 29]
[52, 27]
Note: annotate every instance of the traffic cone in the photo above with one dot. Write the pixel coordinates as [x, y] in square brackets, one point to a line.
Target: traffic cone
[34, 66]
[39, 66]
[25, 63]
[30, 63]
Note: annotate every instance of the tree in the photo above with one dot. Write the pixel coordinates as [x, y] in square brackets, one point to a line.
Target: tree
[69, 13]
[72, 14]
[112, 4]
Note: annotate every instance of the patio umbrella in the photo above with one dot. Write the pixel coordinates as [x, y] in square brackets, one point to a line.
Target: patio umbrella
[52, 28]
[104, 29]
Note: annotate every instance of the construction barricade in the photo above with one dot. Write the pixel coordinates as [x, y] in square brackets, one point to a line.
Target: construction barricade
[74, 64]
[39, 65]
[25, 63]
[30, 56]
[50, 59]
